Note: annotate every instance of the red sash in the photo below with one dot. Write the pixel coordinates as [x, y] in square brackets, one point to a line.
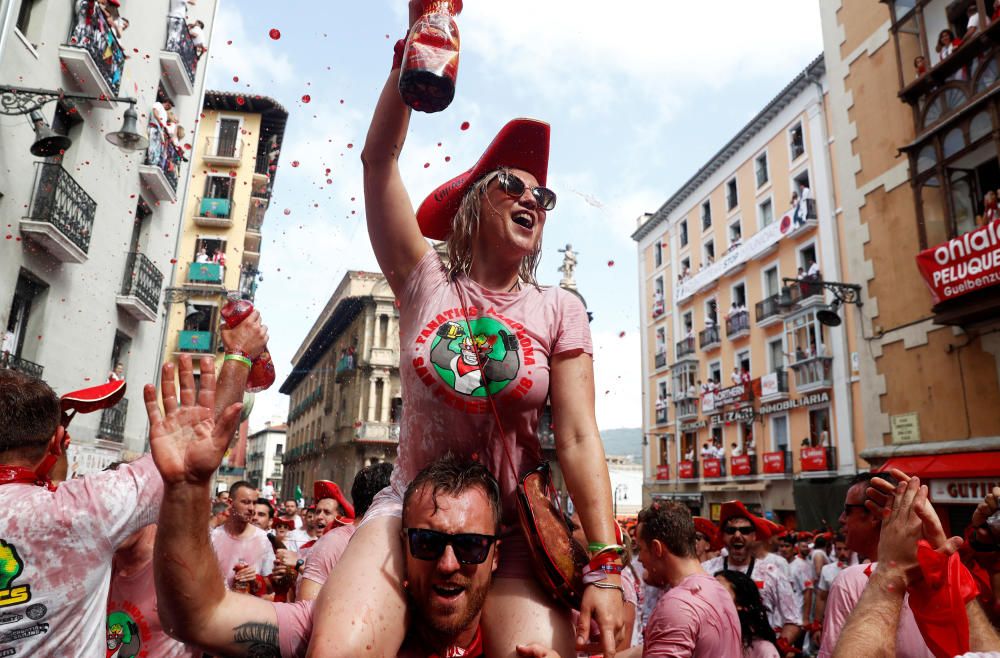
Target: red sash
[21, 475]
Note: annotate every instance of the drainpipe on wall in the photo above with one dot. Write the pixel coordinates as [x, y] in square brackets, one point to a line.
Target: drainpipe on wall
[845, 364]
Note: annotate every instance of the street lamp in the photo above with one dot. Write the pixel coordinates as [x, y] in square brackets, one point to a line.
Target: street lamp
[18, 101]
[621, 491]
[843, 293]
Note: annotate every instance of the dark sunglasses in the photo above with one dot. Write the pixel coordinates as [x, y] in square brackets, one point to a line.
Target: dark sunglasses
[470, 548]
[514, 186]
[743, 530]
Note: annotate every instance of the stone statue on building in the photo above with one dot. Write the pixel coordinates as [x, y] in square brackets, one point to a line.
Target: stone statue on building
[568, 267]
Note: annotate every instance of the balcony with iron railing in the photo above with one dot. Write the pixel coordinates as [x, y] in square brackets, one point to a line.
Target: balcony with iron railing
[685, 347]
[662, 415]
[214, 212]
[346, 366]
[179, 57]
[708, 338]
[248, 283]
[738, 325]
[92, 55]
[713, 468]
[11, 361]
[804, 295]
[821, 459]
[768, 311]
[160, 171]
[687, 470]
[112, 427]
[777, 464]
[61, 214]
[804, 217]
[223, 151]
[206, 274]
[374, 432]
[687, 409]
[774, 386]
[255, 218]
[663, 472]
[743, 466]
[814, 373]
[141, 287]
[660, 358]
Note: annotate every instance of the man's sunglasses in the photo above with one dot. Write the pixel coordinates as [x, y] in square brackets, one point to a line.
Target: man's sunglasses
[849, 506]
[742, 529]
[469, 547]
[514, 186]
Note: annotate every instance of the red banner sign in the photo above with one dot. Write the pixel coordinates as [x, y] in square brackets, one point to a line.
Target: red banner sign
[965, 264]
[663, 472]
[814, 459]
[774, 463]
[713, 468]
[741, 465]
[685, 470]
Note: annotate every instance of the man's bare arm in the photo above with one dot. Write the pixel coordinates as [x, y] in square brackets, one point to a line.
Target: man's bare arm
[870, 631]
[249, 337]
[982, 635]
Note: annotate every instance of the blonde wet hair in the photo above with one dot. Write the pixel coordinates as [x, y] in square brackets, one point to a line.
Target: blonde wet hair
[465, 225]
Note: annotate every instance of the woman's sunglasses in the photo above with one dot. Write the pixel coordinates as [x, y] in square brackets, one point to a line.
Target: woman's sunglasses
[514, 186]
[470, 548]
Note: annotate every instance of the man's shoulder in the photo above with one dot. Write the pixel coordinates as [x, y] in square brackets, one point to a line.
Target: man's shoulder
[713, 565]
[851, 581]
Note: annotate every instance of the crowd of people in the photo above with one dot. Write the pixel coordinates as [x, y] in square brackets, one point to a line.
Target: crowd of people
[437, 554]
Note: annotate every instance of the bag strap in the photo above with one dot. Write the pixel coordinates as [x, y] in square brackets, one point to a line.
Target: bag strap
[486, 381]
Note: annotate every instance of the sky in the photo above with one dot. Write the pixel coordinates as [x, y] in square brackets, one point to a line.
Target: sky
[638, 100]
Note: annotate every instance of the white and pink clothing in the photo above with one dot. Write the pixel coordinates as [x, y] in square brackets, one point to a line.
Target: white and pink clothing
[843, 598]
[775, 589]
[761, 649]
[325, 554]
[515, 335]
[62, 543]
[696, 618]
[828, 575]
[255, 550]
[133, 599]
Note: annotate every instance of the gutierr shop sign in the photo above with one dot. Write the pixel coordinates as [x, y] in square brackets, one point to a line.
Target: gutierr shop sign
[963, 492]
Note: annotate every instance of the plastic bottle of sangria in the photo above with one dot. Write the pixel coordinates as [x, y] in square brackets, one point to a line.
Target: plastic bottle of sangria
[262, 373]
[430, 60]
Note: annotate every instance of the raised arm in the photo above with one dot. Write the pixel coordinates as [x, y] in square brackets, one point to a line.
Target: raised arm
[188, 444]
[581, 453]
[249, 337]
[392, 223]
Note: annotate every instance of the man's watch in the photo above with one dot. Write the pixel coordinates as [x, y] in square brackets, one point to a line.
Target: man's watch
[298, 565]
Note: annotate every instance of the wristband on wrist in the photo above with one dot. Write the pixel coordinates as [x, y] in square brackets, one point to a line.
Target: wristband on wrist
[239, 358]
[298, 565]
[602, 585]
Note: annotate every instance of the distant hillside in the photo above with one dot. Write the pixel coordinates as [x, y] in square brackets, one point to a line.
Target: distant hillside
[623, 441]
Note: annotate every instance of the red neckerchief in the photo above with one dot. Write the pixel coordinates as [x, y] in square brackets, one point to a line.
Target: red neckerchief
[21, 475]
[474, 650]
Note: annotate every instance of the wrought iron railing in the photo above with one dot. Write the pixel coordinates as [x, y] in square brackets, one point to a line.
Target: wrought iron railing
[142, 280]
[12, 362]
[163, 153]
[768, 308]
[661, 358]
[708, 336]
[685, 347]
[113, 422]
[92, 32]
[737, 323]
[248, 283]
[687, 408]
[813, 372]
[60, 201]
[179, 41]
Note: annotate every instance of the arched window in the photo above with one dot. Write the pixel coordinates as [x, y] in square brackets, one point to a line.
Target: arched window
[944, 103]
[954, 142]
[926, 159]
[980, 126]
[986, 76]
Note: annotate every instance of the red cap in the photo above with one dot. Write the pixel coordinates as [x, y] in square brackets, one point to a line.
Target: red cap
[735, 509]
[768, 528]
[326, 489]
[521, 144]
[282, 521]
[707, 528]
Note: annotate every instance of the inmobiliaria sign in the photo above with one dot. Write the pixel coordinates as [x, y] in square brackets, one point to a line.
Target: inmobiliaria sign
[962, 265]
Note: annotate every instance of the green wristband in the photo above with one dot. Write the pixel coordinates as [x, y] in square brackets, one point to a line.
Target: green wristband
[240, 358]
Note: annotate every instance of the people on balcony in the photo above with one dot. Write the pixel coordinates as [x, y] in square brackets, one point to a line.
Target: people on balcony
[118, 373]
[989, 208]
[745, 376]
[196, 31]
[919, 65]
[973, 22]
[736, 377]
[689, 455]
[735, 450]
[202, 255]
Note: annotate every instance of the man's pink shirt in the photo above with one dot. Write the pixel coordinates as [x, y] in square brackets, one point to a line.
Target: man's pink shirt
[697, 618]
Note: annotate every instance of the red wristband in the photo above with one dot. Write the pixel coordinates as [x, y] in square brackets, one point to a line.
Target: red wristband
[397, 54]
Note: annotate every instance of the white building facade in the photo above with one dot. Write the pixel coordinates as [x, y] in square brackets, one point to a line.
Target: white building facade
[265, 449]
[90, 229]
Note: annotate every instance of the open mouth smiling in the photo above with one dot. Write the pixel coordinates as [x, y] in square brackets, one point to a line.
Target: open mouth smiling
[524, 219]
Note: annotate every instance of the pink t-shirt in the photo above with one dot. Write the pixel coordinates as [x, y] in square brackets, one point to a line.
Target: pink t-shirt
[696, 618]
[761, 649]
[516, 335]
[133, 620]
[255, 550]
[294, 627]
[325, 554]
[844, 595]
[60, 545]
